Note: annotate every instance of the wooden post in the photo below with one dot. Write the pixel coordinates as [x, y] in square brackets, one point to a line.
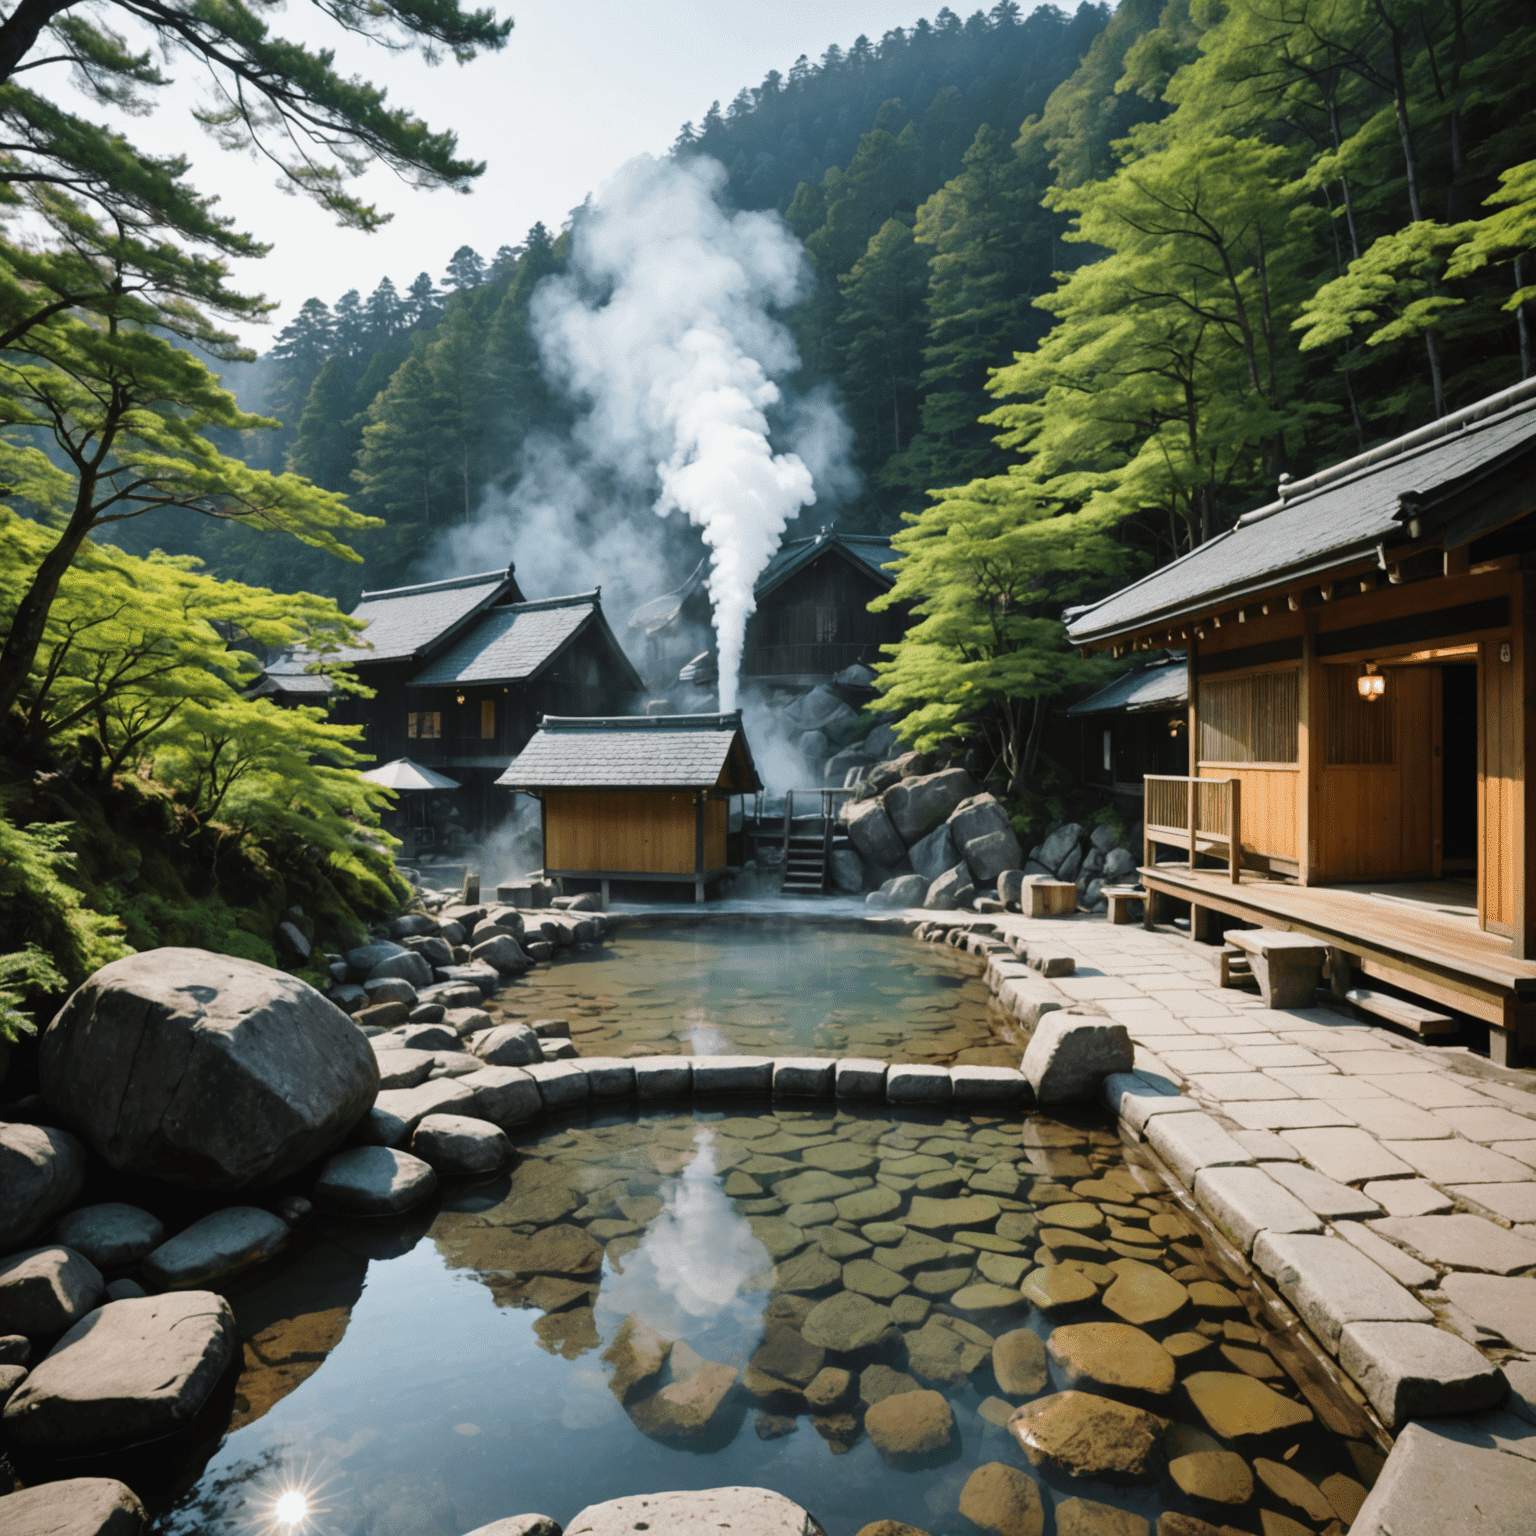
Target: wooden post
[1522, 639]
[1235, 831]
[1192, 808]
[1311, 702]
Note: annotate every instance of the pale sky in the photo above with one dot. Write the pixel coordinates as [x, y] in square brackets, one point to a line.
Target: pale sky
[579, 89]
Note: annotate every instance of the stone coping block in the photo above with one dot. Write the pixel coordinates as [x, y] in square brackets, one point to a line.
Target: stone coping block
[1412, 1370]
[804, 1077]
[732, 1074]
[860, 1077]
[1443, 1476]
[1332, 1284]
[77, 1506]
[609, 1077]
[1029, 997]
[1188, 1143]
[986, 1085]
[1244, 1202]
[410, 1106]
[560, 1083]
[663, 1077]
[1136, 1099]
[503, 1095]
[908, 1083]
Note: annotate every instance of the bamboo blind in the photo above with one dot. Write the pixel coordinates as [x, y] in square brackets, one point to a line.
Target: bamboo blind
[1253, 719]
[1360, 732]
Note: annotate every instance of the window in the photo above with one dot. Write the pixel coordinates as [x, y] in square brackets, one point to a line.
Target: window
[487, 719]
[425, 725]
[1252, 719]
[1359, 731]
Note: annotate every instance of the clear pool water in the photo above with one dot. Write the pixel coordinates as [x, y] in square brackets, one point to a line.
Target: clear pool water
[770, 989]
[424, 1377]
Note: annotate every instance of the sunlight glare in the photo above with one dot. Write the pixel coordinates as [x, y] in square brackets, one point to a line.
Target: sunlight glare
[291, 1508]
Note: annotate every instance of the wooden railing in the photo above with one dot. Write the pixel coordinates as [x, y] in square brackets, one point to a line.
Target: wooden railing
[1197, 815]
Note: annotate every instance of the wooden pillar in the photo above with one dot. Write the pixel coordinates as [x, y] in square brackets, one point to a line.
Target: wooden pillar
[1522, 614]
[698, 833]
[1312, 702]
[1194, 710]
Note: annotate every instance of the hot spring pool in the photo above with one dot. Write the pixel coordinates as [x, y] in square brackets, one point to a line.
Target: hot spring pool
[427, 1376]
[770, 989]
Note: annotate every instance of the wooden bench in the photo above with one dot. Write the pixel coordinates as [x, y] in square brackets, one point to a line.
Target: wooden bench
[1120, 898]
[1235, 967]
[1287, 966]
[1048, 898]
[1410, 1016]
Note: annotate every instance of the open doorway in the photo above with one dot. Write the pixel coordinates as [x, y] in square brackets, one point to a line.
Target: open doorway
[1458, 771]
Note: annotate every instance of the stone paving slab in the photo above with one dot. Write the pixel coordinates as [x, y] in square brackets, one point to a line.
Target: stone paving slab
[1461, 1241]
[1348, 1154]
[1487, 1125]
[1322, 1195]
[1409, 1371]
[1515, 1202]
[1332, 1284]
[1432, 1090]
[1458, 1162]
[1403, 1267]
[1506, 1305]
[1237, 1087]
[1394, 1120]
[1408, 1197]
[1286, 1114]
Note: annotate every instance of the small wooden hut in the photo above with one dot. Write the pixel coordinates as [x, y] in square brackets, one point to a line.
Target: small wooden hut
[638, 798]
[1361, 675]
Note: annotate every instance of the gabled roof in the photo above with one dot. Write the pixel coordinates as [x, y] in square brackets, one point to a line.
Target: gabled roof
[408, 623]
[1334, 518]
[635, 752]
[1145, 688]
[516, 641]
[864, 550]
[289, 673]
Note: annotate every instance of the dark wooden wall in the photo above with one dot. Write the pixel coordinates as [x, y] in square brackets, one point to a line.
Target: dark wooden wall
[818, 622]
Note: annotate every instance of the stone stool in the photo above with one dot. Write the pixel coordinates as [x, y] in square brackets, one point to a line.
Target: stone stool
[1287, 966]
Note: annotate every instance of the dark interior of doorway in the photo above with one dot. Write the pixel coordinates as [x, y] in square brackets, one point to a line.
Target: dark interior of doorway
[1458, 769]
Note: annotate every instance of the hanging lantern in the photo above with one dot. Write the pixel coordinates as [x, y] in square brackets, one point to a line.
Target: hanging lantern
[1371, 683]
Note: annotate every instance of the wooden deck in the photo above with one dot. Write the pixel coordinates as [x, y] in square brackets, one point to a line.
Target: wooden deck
[1423, 938]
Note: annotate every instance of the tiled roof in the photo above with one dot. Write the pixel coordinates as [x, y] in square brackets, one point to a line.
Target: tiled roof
[1151, 687]
[512, 643]
[628, 752]
[1351, 509]
[405, 621]
[868, 549]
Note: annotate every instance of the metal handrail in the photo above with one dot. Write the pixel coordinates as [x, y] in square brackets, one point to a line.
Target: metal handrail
[1207, 815]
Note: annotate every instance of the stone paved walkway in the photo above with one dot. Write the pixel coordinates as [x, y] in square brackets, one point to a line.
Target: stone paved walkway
[1423, 1159]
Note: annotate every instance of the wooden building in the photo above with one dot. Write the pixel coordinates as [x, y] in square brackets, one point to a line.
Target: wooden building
[639, 798]
[1361, 677]
[1132, 727]
[462, 670]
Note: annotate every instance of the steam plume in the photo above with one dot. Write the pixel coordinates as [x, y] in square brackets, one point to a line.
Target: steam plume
[662, 329]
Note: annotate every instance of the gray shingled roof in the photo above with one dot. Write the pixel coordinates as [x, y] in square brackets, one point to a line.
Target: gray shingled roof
[1152, 687]
[869, 549]
[628, 752]
[510, 644]
[405, 621]
[1342, 520]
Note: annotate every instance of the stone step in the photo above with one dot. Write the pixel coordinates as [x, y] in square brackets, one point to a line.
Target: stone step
[1397, 1010]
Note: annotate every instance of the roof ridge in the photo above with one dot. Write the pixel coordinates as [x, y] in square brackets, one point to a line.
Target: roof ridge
[571, 600]
[449, 584]
[714, 722]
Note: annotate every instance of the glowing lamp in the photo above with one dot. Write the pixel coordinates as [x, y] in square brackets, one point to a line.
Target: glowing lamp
[1372, 685]
[458, 698]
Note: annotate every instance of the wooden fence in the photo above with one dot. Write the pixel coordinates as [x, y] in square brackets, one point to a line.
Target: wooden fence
[1197, 815]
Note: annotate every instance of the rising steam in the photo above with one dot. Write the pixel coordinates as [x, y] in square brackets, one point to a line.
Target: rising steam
[662, 330]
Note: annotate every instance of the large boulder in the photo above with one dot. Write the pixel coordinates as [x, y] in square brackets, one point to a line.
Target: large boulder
[41, 1171]
[1069, 1056]
[130, 1371]
[206, 1070]
[991, 854]
[847, 871]
[697, 1512]
[872, 834]
[506, 1045]
[917, 806]
[1060, 846]
[976, 817]
[405, 966]
[933, 854]
[905, 891]
[44, 1290]
[954, 888]
[75, 1506]
[502, 951]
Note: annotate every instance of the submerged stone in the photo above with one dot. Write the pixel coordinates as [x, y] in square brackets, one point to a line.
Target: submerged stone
[687, 1407]
[637, 1355]
[1018, 1363]
[1003, 1501]
[846, 1323]
[1219, 1477]
[1090, 1436]
[1142, 1294]
[910, 1426]
[1237, 1406]
[1110, 1356]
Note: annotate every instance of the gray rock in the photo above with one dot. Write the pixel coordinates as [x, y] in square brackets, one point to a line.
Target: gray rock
[41, 1171]
[1092, 897]
[847, 870]
[732, 1074]
[374, 1181]
[434, 950]
[381, 1016]
[452, 995]
[917, 806]
[475, 973]
[663, 1077]
[1118, 863]
[293, 940]
[426, 1013]
[1092, 865]
[1010, 889]
[466, 1021]
[407, 965]
[455, 1063]
[75, 1506]
[803, 1077]
[871, 832]
[451, 933]
[1102, 839]
[519, 1525]
[390, 989]
[124, 1290]
[111, 1236]
[349, 997]
[951, 890]
[457, 1146]
[881, 741]
[609, 1077]
[700, 1512]
[976, 817]
[44, 1290]
[812, 710]
[1054, 851]
[218, 1245]
[1413, 1370]
[981, 1085]
[429, 1037]
[14, 1349]
[411, 925]
[505, 1096]
[507, 1045]
[905, 891]
[129, 1372]
[1069, 866]
[1068, 1056]
[934, 854]
[503, 952]
[988, 856]
[813, 746]
[361, 961]
[914, 1084]
[206, 1070]
[404, 1068]
[560, 1083]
